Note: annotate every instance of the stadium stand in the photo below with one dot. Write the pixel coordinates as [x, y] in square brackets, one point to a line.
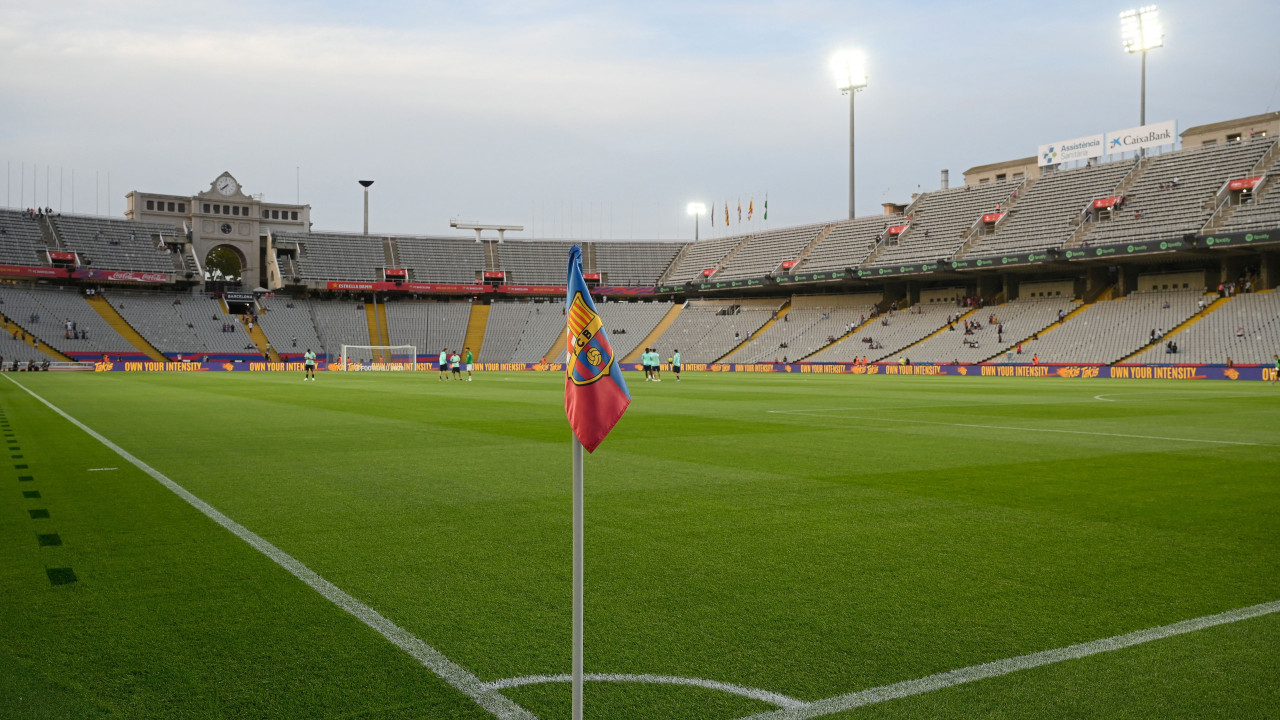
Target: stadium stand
[12, 348]
[761, 253]
[284, 320]
[703, 255]
[118, 244]
[1244, 330]
[188, 325]
[529, 262]
[43, 312]
[939, 221]
[336, 256]
[708, 329]
[634, 263]
[1174, 194]
[341, 322]
[21, 242]
[544, 324]
[848, 243]
[503, 330]
[1020, 318]
[630, 322]
[1049, 209]
[441, 260]
[429, 326]
[807, 326]
[1107, 331]
[890, 332]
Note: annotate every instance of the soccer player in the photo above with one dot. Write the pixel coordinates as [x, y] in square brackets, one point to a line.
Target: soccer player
[444, 361]
[646, 359]
[468, 364]
[656, 359]
[1273, 377]
[453, 366]
[675, 363]
[309, 366]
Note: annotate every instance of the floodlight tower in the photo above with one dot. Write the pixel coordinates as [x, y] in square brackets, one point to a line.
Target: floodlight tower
[1141, 31]
[696, 209]
[850, 68]
[366, 184]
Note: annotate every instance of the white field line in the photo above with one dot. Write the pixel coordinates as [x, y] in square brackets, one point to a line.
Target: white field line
[772, 698]
[101, 469]
[454, 674]
[823, 413]
[1103, 398]
[997, 668]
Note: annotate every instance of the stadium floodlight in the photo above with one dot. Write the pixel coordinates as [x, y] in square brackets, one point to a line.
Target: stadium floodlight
[696, 209]
[1141, 31]
[366, 184]
[850, 69]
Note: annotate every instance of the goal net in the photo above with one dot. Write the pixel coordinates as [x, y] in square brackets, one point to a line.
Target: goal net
[379, 357]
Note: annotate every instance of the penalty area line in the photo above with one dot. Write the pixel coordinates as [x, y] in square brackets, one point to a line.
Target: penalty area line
[454, 674]
[997, 668]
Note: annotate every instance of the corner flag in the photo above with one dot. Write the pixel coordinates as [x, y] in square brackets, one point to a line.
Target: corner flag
[595, 393]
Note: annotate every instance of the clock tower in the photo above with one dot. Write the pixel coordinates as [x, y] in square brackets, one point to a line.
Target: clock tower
[223, 215]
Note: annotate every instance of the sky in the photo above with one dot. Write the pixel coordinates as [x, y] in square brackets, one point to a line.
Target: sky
[594, 120]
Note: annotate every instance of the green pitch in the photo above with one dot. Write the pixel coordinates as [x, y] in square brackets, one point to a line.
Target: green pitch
[807, 536]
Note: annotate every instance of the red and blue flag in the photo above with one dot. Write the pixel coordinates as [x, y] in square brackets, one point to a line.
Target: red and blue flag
[595, 393]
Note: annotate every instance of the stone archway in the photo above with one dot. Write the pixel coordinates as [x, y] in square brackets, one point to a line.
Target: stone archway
[224, 262]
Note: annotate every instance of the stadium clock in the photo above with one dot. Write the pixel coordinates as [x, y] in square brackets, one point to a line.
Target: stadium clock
[226, 185]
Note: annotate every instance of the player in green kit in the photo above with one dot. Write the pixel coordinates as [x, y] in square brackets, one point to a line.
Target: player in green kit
[309, 366]
[1277, 375]
[468, 364]
[675, 363]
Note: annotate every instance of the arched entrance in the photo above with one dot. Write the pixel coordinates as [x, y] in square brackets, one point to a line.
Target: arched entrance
[224, 263]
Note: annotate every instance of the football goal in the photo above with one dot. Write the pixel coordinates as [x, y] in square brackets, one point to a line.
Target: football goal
[379, 357]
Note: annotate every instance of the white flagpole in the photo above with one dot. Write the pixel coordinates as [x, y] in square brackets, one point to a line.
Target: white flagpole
[577, 579]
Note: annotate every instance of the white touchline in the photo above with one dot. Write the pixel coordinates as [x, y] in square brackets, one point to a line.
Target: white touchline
[820, 413]
[449, 671]
[101, 469]
[772, 698]
[997, 668]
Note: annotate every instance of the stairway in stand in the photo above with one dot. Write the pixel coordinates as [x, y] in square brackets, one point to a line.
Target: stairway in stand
[122, 326]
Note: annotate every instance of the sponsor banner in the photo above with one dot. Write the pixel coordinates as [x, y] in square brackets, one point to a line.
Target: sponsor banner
[897, 229]
[992, 217]
[1145, 136]
[494, 275]
[532, 289]
[1239, 239]
[395, 273]
[732, 284]
[591, 276]
[1000, 261]
[666, 289]
[119, 276]
[407, 287]
[708, 272]
[827, 276]
[238, 297]
[788, 264]
[30, 271]
[1106, 202]
[1081, 148]
[1060, 371]
[57, 256]
[891, 270]
[1137, 248]
[622, 290]
[1240, 184]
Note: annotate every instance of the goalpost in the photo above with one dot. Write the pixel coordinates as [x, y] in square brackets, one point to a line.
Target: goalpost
[379, 357]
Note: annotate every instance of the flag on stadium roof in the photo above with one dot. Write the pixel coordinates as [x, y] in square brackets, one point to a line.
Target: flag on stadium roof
[595, 393]
[751, 208]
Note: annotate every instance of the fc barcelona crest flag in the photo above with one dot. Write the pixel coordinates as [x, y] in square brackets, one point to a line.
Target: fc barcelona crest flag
[595, 393]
